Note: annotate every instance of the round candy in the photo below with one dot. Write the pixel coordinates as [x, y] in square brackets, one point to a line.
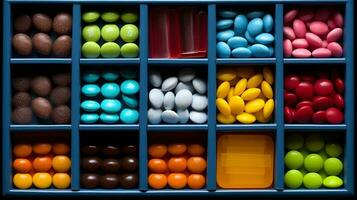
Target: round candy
[22, 181]
[129, 116]
[198, 117]
[304, 91]
[110, 90]
[313, 162]
[110, 105]
[130, 50]
[333, 182]
[314, 142]
[312, 180]
[294, 141]
[293, 179]
[303, 114]
[183, 99]
[129, 87]
[323, 87]
[42, 180]
[223, 50]
[333, 149]
[110, 50]
[129, 33]
[319, 117]
[322, 103]
[61, 180]
[110, 32]
[334, 116]
[293, 159]
[89, 180]
[90, 49]
[333, 166]
[91, 33]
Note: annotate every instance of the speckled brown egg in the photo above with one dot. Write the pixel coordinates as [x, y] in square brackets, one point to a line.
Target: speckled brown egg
[41, 107]
[42, 22]
[21, 84]
[22, 44]
[22, 23]
[42, 43]
[22, 115]
[61, 115]
[62, 23]
[62, 46]
[41, 85]
[62, 79]
[60, 95]
[21, 99]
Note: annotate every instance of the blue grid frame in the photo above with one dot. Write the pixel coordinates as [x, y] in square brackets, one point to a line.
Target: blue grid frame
[278, 127]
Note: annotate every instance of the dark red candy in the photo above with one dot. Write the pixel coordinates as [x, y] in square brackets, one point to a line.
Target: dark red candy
[319, 117]
[308, 78]
[303, 103]
[323, 87]
[304, 91]
[322, 103]
[288, 114]
[339, 85]
[291, 81]
[304, 114]
[334, 116]
[339, 102]
[290, 99]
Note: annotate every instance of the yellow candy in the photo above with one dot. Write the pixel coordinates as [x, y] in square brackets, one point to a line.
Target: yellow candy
[226, 74]
[225, 119]
[245, 72]
[260, 117]
[255, 81]
[267, 90]
[254, 105]
[246, 118]
[42, 180]
[237, 104]
[240, 86]
[223, 89]
[223, 106]
[230, 93]
[268, 108]
[268, 75]
[22, 181]
[250, 94]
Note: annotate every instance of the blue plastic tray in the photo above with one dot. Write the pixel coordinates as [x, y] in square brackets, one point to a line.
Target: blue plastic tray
[211, 128]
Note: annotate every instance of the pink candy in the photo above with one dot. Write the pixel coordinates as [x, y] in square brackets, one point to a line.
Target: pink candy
[321, 53]
[300, 43]
[334, 35]
[313, 40]
[299, 28]
[288, 48]
[301, 53]
[335, 49]
[319, 28]
[289, 33]
[289, 16]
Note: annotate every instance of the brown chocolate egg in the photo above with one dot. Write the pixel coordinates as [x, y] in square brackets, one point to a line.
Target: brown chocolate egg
[21, 99]
[90, 181]
[109, 181]
[41, 85]
[22, 23]
[90, 150]
[41, 107]
[129, 150]
[110, 165]
[129, 164]
[62, 23]
[128, 180]
[60, 95]
[21, 84]
[61, 115]
[110, 150]
[62, 79]
[22, 115]
[22, 44]
[91, 164]
[42, 43]
[42, 22]
[62, 46]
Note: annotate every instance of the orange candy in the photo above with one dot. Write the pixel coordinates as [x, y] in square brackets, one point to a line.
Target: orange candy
[157, 181]
[177, 180]
[196, 164]
[61, 180]
[157, 165]
[42, 180]
[60, 149]
[177, 164]
[42, 164]
[157, 150]
[196, 181]
[22, 150]
[61, 163]
[22, 181]
[196, 150]
[22, 165]
[42, 148]
[177, 149]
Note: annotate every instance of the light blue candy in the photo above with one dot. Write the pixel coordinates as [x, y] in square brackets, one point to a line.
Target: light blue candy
[110, 76]
[225, 35]
[110, 90]
[110, 105]
[90, 106]
[128, 73]
[109, 118]
[249, 37]
[268, 23]
[224, 23]
[90, 77]
[264, 38]
[259, 50]
[130, 101]
[90, 90]
[271, 51]
[241, 52]
[236, 42]
[227, 13]
[129, 87]
[255, 14]
[240, 24]
[129, 116]
[89, 118]
[255, 26]
[223, 50]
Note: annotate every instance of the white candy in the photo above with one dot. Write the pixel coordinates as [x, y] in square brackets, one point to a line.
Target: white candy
[184, 115]
[183, 99]
[186, 74]
[155, 78]
[182, 85]
[169, 101]
[198, 117]
[169, 84]
[156, 98]
[154, 116]
[199, 85]
[199, 102]
[170, 117]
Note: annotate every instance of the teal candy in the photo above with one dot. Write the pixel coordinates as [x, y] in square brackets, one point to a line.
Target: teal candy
[223, 50]
[240, 24]
[237, 41]
[255, 26]
[129, 116]
[91, 77]
[89, 118]
[225, 35]
[250, 38]
[128, 73]
[90, 90]
[255, 14]
[268, 23]
[130, 101]
[90, 106]
[110, 90]
[227, 13]
[259, 50]
[109, 118]
[129, 87]
[224, 23]
[110, 105]
[241, 52]
[264, 38]
[110, 76]
[271, 51]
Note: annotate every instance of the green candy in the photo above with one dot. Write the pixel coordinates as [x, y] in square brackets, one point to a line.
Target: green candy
[91, 33]
[129, 33]
[313, 162]
[110, 50]
[333, 182]
[130, 50]
[110, 32]
[90, 50]
[312, 180]
[129, 17]
[90, 17]
[294, 141]
[333, 149]
[110, 16]
[314, 142]
[293, 159]
[333, 166]
[293, 179]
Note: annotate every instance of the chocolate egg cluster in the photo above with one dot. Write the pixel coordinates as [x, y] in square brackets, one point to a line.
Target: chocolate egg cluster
[109, 166]
[43, 34]
[42, 98]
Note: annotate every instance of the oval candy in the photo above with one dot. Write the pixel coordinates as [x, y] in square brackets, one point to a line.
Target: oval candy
[90, 106]
[319, 28]
[89, 118]
[129, 116]
[109, 118]
[334, 35]
[225, 35]
[240, 24]
[110, 105]
[241, 52]
[237, 41]
[224, 23]
[255, 81]
[246, 118]
[223, 106]
[268, 23]
[260, 50]
[110, 90]
[250, 94]
[90, 90]
[321, 53]
[129, 87]
[254, 106]
[301, 53]
[236, 105]
[255, 26]
[299, 28]
[264, 38]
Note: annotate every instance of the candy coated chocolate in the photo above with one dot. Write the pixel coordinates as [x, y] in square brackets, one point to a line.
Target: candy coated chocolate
[288, 114]
[339, 102]
[290, 99]
[339, 85]
[129, 150]
[109, 181]
[322, 103]
[304, 91]
[323, 87]
[291, 81]
[129, 163]
[334, 116]
[319, 117]
[128, 180]
[304, 114]
[110, 165]
[90, 150]
[89, 181]
[304, 103]
[91, 164]
[110, 150]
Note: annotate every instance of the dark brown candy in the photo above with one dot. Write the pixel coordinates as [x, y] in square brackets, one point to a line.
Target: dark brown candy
[128, 181]
[110, 150]
[21, 99]
[129, 164]
[42, 43]
[22, 115]
[41, 85]
[21, 84]
[42, 22]
[61, 115]
[62, 46]
[91, 164]
[109, 181]
[22, 44]
[60, 95]
[62, 79]
[90, 150]
[22, 23]
[129, 150]
[90, 181]
[62, 23]
[110, 165]
[41, 107]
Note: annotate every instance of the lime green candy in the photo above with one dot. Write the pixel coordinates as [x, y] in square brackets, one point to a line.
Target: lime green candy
[110, 32]
[294, 141]
[293, 159]
[90, 17]
[110, 16]
[293, 179]
[91, 33]
[129, 33]
[90, 50]
[333, 166]
[312, 180]
[333, 149]
[313, 162]
[129, 16]
[110, 50]
[314, 142]
[333, 182]
[130, 50]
